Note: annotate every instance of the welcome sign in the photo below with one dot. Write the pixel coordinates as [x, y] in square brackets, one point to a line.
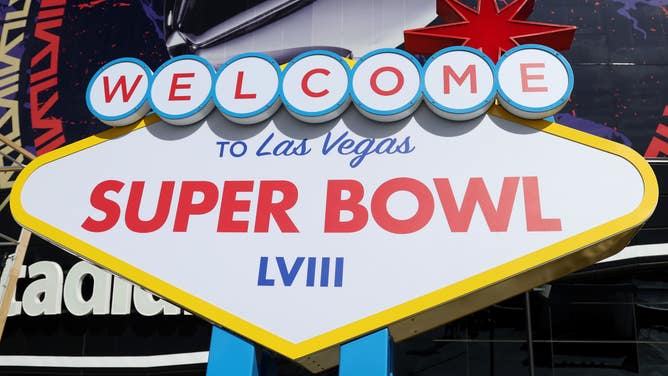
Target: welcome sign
[319, 222]
[386, 85]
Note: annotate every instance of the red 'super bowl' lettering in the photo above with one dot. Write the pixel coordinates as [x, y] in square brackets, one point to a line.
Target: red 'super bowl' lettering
[224, 203]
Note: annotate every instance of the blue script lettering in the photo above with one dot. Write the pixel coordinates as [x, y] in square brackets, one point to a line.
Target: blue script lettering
[345, 145]
[285, 148]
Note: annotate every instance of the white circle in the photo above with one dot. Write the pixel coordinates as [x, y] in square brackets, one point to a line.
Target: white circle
[259, 79]
[335, 82]
[545, 82]
[372, 101]
[195, 83]
[120, 79]
[460, 97]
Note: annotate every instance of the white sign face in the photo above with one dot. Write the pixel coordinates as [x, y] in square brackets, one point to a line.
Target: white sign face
[302, 237]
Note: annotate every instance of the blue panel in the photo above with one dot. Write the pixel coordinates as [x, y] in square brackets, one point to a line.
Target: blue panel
[368, 356]
[230, 355]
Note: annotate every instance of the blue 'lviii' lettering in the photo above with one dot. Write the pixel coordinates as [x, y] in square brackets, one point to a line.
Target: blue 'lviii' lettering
[322, 272]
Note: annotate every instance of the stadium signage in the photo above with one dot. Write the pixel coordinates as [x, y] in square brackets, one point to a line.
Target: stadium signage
[51, 289]
[301, 237]
[386, 85]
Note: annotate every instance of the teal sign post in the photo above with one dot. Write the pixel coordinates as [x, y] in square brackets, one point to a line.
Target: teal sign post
[230, 355]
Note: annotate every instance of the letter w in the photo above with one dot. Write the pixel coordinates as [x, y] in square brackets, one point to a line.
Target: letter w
[459, 218]
[108, 96]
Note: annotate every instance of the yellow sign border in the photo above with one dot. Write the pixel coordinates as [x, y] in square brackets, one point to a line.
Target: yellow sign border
[413, 308]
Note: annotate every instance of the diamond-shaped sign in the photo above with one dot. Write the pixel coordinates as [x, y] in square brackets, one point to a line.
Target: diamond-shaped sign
[303, 237]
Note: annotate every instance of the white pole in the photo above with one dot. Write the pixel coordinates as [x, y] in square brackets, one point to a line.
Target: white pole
[19, 255]
[21, 247]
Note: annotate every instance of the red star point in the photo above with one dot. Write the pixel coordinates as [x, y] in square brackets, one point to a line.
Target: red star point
[487, 28]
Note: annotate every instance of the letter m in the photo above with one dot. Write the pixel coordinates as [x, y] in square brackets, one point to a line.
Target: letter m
[470, 72]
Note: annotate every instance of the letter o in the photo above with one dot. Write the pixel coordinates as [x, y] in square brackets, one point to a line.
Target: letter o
[399, 84]
[386, 85]
[236, 153]
[421, 217]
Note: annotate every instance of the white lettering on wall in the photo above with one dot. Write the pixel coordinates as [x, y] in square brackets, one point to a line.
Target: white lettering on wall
[50, 290]
[44, 295]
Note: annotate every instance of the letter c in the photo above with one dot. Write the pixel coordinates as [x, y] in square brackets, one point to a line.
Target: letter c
[307, 77]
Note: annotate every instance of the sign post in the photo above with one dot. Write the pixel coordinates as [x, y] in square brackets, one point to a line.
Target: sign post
[7, 291]
[371, 355]
[230, 355]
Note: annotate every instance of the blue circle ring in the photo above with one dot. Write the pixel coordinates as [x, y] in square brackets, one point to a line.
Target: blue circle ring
[271, 102]
[97, 74]
[314, 114]
[395, 111]
[564, 62]
[477, 107]
[200, 106]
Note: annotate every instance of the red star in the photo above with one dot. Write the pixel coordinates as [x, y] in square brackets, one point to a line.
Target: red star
[488, 28]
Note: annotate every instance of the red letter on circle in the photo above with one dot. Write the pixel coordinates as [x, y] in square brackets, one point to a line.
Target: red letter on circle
[526, 77]
[307, 76]
[395, 89]
[126, 94]
[177, 86]
[237, 93]
[469, 72]
[421, 217]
